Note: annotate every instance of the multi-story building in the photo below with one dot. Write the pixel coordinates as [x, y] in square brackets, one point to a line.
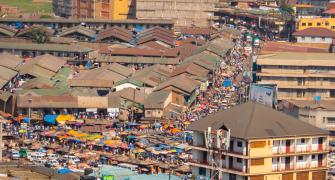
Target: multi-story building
[305, 23]
[318, 113]
[308, 8]
[264, 144]
[303, 76]
[99, 9]
[184, 12]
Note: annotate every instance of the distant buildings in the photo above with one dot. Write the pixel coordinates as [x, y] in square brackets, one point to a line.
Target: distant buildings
[301, 76]
[318, 22]
[184, 13]
[318, 113]
[264, 144]
[308, 8]
[315, 35]
[105, 9]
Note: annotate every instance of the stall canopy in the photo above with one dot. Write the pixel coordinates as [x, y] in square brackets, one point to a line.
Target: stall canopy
[50, 118]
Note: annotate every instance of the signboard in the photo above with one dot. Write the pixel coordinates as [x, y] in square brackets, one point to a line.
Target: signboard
[263, 94]
[108, 177]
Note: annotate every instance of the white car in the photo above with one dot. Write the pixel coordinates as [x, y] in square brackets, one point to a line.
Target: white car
[72, 159]
[15, 155]
[52, 156]
[53, 163]
[40, 162]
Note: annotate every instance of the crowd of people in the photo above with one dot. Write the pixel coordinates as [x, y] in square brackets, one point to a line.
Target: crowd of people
[156, 144]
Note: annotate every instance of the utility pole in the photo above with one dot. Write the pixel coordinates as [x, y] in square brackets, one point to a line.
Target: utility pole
[1, 123]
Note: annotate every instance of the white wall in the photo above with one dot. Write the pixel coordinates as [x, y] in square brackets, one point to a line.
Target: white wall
[242, 149]
[301, 147]
[327, 40]
[125, 85]
[198, 139]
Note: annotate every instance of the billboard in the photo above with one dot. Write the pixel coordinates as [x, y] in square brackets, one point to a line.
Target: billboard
[264, 94]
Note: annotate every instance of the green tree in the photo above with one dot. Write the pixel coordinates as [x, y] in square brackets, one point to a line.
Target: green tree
[39, 36]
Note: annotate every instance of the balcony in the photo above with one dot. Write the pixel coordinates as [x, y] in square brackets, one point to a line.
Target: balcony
[302, 165]
[302, 149]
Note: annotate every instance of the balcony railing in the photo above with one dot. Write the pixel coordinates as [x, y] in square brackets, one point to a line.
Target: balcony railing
[299, 149]
[298, 166]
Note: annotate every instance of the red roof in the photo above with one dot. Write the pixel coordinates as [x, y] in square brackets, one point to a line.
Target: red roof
[141, 52]
[291, 47]
[323, 32]
[330, 11]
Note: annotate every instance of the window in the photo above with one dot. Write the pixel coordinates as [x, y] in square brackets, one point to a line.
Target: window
[331, 120]
[318, 24]
[303, 24]
[327, 23]
[313, 156]
[257, 162]
[239, 160]
[302, 140]
[332, 93]
[148, 112]
[324, 120]
[239, 144]
[313, 38]
[309, 24]
[202, 171]
[323, 38]
[300, 158]
[302, 37]
[333, 27]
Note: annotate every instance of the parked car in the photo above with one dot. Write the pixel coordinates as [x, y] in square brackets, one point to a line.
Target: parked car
[15, 155]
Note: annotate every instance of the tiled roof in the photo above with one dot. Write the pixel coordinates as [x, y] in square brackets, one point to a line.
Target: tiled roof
[315, 32]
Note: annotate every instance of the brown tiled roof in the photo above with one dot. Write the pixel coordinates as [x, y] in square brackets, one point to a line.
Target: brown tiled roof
[330, 11]
[190, 68]
[181, 82]
[321, 32]
[156, 33]
[141, 52]
[10, 61]
[196, 30]
[153, 45]
[130, 94]
[116, 32]
[255, 121]
[271, 47]
[47, 101]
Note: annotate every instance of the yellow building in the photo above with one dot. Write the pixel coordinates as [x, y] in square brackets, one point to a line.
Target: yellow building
[305, 23]
[114, 9]
[99, 9]
[264, 144]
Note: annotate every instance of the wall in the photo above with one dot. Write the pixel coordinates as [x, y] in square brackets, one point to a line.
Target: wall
[125, 85]
[184, 12]
[306, 39]
[154, 113]
[328, 23]
[265, 168]
[260, 151]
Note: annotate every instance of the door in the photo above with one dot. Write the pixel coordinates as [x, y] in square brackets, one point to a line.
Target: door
[287, 163]
[288, 146]
[320, 143]
[320, 157]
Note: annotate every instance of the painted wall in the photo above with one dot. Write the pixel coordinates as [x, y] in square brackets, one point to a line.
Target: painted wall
[307, 39]
[125, 85]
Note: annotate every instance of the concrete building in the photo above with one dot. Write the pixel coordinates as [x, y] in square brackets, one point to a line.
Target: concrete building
[264, 144]
[305, 23]
[185, 12]
[301, 75]
[104, 9]
[308, 8]
[315, 35]
[318, 113]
